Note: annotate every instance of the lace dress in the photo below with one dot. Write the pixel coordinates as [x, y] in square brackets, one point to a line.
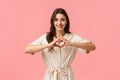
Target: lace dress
[58, 60]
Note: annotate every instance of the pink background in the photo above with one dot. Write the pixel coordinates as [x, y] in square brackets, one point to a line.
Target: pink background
[23, 21]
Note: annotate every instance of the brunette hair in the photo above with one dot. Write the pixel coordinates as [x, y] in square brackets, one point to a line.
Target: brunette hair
[52, 33]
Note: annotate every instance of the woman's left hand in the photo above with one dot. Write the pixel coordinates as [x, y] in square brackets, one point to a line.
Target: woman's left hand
[66, 42]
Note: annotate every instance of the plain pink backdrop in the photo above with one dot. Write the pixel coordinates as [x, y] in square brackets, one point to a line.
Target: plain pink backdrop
[23, 21]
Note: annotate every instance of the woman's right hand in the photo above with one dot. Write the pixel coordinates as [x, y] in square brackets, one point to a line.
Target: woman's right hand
[53, 43]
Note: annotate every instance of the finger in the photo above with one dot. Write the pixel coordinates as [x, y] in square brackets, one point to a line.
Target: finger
[54, 38]
[63, 40]
[56, 46]
[62, 45]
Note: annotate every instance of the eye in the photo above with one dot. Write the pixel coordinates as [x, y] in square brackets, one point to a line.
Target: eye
[55, 19]
[62, 19]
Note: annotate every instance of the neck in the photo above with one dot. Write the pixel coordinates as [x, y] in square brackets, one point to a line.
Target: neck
[60, 33]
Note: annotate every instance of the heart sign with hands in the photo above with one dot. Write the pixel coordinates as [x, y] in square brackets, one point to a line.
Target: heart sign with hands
[62, 42]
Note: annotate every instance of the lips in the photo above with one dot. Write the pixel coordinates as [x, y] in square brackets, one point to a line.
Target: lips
[60, 25]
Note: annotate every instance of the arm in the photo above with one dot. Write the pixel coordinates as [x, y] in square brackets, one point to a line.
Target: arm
[89, 46]
[31, 49]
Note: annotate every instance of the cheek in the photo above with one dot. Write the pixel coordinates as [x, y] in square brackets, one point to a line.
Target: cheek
[54, 23]
[64, 23]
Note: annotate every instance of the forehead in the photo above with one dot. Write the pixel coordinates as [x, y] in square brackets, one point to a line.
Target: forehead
[60, 15]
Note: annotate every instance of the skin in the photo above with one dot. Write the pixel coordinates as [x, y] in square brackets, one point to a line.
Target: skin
[59, 23]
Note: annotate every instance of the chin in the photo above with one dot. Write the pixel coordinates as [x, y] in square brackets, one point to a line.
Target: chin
[60, 29]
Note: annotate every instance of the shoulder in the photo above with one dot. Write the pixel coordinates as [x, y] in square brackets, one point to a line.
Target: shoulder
[75, 35]
[72, 36]
[43, 36]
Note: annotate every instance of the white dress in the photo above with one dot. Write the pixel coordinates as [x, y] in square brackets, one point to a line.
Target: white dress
[58, 60]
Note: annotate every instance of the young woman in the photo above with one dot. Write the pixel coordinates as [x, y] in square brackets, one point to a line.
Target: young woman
[59, 46]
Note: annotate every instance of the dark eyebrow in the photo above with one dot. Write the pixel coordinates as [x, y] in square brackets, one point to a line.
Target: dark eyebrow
[60, 18]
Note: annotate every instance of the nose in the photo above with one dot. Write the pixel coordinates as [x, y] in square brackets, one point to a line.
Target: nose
[59, 22]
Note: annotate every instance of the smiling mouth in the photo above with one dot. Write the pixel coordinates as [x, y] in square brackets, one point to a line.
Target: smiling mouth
[60, 26]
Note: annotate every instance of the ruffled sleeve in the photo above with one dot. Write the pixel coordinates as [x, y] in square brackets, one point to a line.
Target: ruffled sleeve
[81, 40]
[39, 40]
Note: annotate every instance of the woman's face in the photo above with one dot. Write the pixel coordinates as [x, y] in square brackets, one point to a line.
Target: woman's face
[60, 22]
